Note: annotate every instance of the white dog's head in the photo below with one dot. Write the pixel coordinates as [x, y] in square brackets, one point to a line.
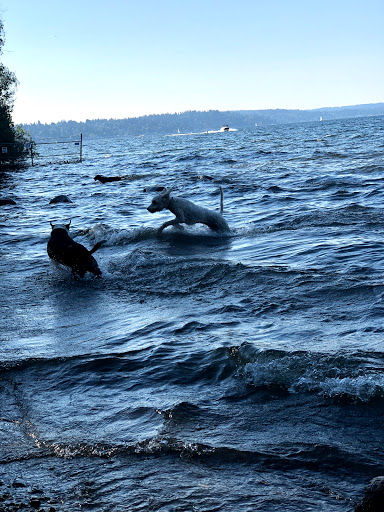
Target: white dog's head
[160, 201]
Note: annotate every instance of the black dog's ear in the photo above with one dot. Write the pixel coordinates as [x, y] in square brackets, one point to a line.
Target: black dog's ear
[166, 192]
[67, 225]
[51, 223]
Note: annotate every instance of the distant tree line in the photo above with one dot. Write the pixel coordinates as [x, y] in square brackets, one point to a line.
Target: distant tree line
[192, 121]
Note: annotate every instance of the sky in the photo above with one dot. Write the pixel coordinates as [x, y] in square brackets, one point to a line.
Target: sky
[92, 59]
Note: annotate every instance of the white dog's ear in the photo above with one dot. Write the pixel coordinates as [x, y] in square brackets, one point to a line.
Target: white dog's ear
[167, 192]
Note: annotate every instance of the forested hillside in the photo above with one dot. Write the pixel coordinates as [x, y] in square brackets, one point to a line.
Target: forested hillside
[193, 121]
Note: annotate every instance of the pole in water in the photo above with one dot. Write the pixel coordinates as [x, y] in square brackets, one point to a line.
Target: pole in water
[221, 200]
[81, 147]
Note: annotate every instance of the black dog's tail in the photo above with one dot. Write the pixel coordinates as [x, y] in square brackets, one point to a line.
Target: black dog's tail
[97, 246]
[221, 200]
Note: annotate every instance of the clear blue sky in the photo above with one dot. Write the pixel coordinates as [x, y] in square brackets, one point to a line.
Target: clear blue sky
[89, 59]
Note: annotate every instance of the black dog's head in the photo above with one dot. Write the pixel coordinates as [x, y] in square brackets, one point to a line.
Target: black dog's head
[65, 227]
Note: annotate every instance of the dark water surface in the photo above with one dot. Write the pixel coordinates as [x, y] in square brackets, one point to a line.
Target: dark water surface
[203, 372]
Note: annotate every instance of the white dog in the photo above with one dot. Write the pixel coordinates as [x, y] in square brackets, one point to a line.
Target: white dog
[187, 212]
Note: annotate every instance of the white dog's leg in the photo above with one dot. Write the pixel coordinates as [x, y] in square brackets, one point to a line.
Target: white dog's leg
[173, 222]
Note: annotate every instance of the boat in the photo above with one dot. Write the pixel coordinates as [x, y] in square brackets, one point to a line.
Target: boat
[224, 128]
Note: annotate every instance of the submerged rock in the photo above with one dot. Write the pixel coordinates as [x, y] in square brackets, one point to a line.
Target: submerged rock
[35, 502]
[374, 496]
[18, 483]
[60, 199]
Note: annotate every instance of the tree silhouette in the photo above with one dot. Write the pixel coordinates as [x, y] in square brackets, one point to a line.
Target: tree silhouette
[12, 140]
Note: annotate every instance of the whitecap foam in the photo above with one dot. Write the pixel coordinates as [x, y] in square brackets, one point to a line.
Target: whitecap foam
[138, 258]
[363, 387]
[115, 236]
[327, 376]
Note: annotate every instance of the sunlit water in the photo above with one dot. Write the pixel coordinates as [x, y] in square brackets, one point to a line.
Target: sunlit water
[204, 371]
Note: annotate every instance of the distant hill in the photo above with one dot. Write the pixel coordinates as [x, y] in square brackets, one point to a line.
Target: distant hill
[194, 121]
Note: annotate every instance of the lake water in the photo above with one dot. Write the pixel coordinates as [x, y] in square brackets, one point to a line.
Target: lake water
[203, 372]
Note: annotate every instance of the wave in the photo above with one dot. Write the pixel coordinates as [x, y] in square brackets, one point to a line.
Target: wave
[318, 154]
[353, 214]
[193, 157]
[119, 237]
[371, 168]
[163, 275]
[329, 376]
[286, 456]
[358, 377]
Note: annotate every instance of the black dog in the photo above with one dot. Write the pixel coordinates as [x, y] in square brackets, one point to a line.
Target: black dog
[64, 250]
[6, 200]
[107, 179]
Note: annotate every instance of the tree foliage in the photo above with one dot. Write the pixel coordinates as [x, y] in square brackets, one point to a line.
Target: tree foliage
[12, 139]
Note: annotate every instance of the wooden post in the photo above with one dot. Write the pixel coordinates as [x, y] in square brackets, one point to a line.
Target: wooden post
[32, 154]
[81, 147]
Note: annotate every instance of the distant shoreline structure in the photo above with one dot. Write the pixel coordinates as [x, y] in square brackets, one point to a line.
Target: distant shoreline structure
[196, 121]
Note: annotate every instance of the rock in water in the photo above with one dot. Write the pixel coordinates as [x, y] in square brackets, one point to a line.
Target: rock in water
[374, 496]
[60, 199]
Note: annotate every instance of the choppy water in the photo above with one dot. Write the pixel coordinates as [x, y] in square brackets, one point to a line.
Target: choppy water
[203, 372]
